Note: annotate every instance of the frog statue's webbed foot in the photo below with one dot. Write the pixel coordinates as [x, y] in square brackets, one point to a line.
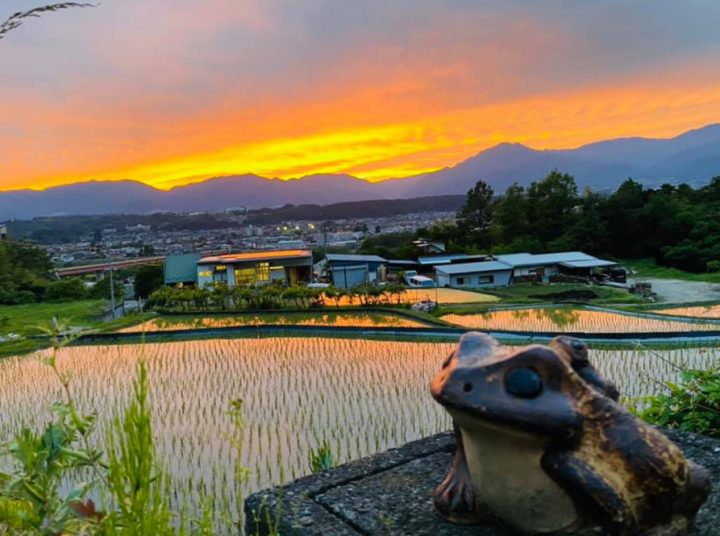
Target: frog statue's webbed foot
[455, 498]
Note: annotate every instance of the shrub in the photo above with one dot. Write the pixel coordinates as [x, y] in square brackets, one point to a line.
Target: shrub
[692, 405]
[18, 297]
[66, 289]
[713, 266]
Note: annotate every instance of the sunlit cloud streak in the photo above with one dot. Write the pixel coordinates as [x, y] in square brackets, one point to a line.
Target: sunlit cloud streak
[174, 91]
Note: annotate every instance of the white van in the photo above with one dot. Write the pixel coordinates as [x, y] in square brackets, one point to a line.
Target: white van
[420, 281]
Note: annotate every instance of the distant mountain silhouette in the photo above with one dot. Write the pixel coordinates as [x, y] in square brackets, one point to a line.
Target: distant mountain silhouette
[692, 157]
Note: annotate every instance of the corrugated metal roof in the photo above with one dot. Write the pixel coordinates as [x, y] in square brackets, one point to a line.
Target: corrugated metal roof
[474, 268]
[594, 263]
[432, 260]
[404, 262]
[528, 259]
[252, 256]
[339, 257]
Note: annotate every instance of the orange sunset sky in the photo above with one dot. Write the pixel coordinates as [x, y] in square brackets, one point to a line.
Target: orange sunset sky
[174, 91]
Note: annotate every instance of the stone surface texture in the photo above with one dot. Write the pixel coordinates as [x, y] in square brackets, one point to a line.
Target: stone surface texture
[391, 493]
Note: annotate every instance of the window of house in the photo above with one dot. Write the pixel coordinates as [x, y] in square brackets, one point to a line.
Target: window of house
[460, 280]
[205, 273]
[486, 279]
[245, 276]
[263, 271]
[220, 268]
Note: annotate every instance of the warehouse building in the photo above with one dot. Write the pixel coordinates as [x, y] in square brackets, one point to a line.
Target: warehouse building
[347, 271]
[288, 266]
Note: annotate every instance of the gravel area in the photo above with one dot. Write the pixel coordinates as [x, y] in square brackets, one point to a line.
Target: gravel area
[679, 291]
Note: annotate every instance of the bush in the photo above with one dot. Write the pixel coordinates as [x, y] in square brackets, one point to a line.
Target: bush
[65, 289]
[18, 297]
[693, 405]
[148, 279]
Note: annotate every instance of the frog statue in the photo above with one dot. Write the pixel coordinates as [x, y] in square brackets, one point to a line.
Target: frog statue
[543, 447]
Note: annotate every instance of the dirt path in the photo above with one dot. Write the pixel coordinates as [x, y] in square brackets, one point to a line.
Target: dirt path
[678, 291]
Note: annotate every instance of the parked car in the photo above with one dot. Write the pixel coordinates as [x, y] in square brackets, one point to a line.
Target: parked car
[420, 281]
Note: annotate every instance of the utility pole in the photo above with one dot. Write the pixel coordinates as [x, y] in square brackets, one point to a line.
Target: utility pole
[112, 290]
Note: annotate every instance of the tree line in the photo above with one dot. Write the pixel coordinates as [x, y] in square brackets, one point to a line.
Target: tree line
[677, 226]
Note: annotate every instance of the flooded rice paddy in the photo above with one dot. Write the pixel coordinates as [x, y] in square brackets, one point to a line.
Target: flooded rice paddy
[362, 396]
[445, 296]
[699, 311]
[559, 320]
[336, 319]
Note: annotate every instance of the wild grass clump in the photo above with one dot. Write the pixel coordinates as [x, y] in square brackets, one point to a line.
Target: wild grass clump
[55, 476]
[692, 404]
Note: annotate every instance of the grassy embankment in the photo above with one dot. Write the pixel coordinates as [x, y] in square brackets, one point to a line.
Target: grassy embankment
[529, 293]
[26, 319]
[648, 268]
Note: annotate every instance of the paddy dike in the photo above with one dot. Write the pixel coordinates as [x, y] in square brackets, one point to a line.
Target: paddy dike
[390, 493]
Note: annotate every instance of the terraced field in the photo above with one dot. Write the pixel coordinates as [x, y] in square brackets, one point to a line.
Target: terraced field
[362, 396]
[700, 311]
[550, 320]
[338, 319]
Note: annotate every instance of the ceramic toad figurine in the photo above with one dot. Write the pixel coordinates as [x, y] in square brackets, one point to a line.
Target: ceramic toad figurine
[544, 447]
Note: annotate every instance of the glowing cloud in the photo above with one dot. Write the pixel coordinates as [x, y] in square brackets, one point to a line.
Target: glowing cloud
[172, 92]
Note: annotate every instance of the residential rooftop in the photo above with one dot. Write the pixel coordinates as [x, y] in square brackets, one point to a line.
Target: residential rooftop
[530, 259]
[474, 267]
[340, 257]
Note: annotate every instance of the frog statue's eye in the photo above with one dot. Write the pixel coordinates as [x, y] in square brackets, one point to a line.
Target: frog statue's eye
[523, 383]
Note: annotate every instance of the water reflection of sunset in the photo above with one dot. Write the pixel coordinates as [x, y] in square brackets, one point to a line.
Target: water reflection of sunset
[570, 320]
[350, 319]
[700, 311]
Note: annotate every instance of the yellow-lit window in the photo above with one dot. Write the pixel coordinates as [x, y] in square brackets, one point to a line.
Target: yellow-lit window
[263, 271]
[205, 273]
[220, 268]
[244, 276]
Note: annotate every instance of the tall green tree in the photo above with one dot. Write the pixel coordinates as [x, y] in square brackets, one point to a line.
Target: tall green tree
[476, 215]
[147, 280]
[552, 206]
[511, 215]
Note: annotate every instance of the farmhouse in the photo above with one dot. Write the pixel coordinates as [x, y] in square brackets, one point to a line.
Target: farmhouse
[518, 268]
[474, 274]
[529, 267]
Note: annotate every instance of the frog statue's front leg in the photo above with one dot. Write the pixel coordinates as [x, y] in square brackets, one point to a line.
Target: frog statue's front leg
[456, 498]
[596, 501]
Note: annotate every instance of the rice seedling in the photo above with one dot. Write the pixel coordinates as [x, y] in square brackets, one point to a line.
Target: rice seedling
[301, 397]
[560, 320]
[699, 311]
[349, 318]
[445, 296]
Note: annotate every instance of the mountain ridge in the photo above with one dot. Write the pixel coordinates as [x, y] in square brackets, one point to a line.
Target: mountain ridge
[693, 156]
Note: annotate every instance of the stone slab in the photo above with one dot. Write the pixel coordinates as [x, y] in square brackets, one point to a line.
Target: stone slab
[390, 493]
